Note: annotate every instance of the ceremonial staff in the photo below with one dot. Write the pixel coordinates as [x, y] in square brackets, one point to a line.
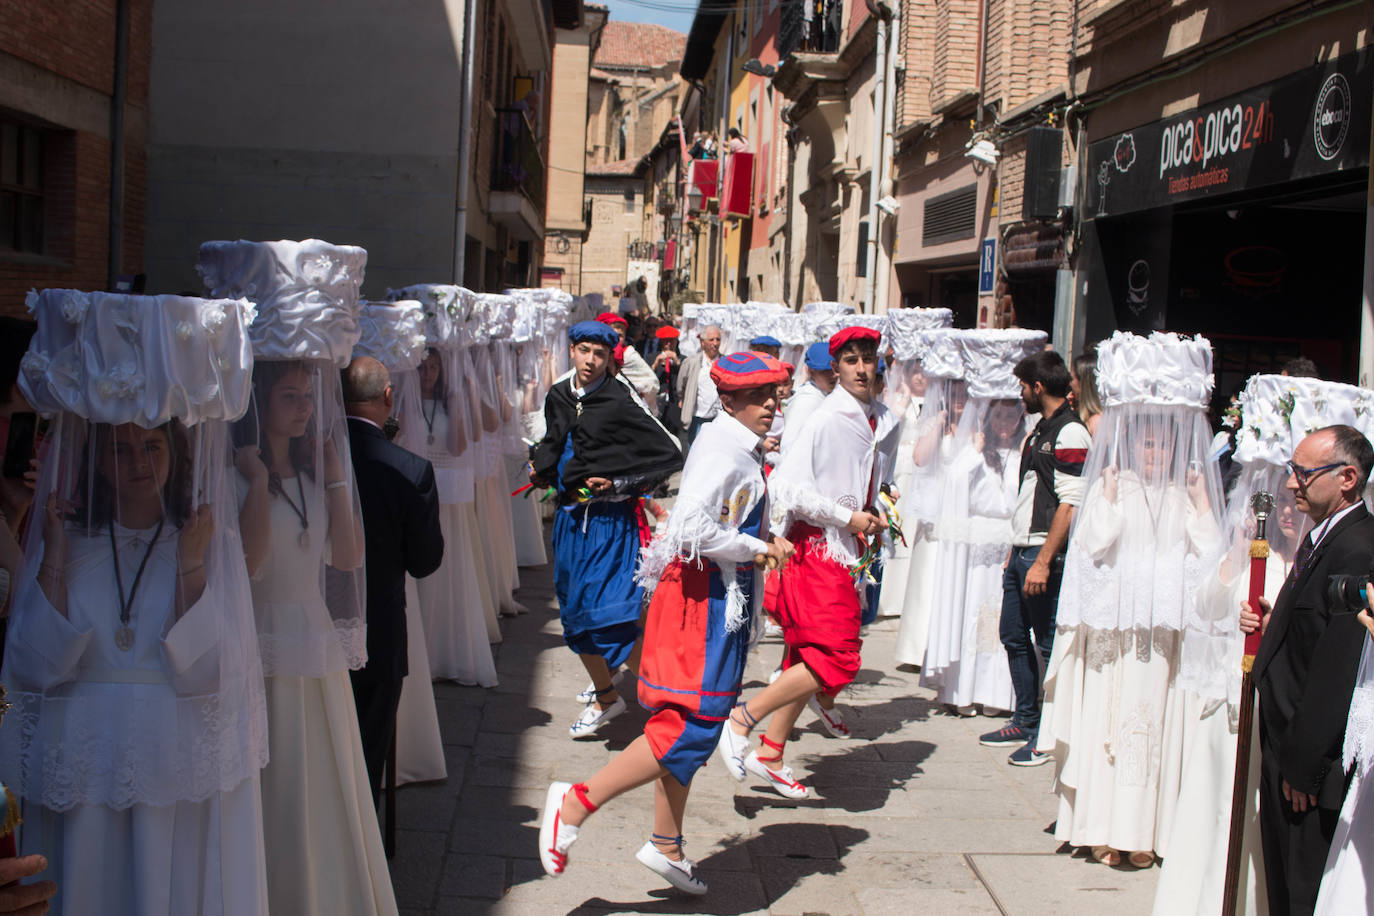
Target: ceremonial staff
[1263, 505]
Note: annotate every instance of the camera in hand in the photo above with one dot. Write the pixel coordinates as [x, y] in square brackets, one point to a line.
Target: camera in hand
[1347, 593]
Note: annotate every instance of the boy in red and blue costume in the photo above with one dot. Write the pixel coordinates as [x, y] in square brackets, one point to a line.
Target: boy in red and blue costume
[697, 631]
[602, 450]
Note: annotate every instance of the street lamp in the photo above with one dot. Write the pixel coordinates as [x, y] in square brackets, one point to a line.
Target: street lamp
[752, 65]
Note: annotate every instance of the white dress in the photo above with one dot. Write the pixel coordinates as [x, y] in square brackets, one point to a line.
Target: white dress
[419, 744]
[1193, 875]
[913, 635]
[493, 509]
[1348, 880]
[965, 660]
[202, 857]
[897, 565]
[324, 849]
[458, 614]
[1113, 716]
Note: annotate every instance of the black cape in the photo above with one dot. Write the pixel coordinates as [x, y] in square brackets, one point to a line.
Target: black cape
[612, 437]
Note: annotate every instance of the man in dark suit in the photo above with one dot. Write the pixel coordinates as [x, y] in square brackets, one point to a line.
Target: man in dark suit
[1306, 665]
[401, 531]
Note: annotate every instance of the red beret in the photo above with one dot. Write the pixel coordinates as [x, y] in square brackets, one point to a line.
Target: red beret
[612, 318]
[667, 332]
[788, 368]
[854, 332]
[740, 371]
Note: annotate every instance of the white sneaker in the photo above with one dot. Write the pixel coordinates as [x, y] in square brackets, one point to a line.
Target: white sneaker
[777, 673]
[733, 749]
[830, 718]
[588, 693]
[592, 718]
[555, 837]
[780, 779]
[772, 631]
[680, 874]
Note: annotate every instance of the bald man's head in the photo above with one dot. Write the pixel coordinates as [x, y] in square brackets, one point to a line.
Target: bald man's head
[367, 389]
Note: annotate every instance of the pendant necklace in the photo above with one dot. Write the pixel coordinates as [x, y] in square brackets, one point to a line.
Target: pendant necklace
[302, 512]
[430, 417]
[124, 636]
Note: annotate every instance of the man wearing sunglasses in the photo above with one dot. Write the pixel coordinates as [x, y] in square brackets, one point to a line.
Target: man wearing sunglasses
[1306, 664]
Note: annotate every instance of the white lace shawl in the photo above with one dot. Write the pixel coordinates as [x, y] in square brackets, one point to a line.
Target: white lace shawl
[1359, 726]
[826, 476]
[721, 484]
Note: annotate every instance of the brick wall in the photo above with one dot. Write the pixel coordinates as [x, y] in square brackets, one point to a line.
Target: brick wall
[918, 50]
[954, 65]
[1028, 49]
[75, 40]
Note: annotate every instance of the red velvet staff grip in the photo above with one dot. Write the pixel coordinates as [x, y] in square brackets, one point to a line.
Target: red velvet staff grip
[1259, 556]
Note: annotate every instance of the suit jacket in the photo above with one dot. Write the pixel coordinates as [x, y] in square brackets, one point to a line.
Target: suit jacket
[401, 531]
[687, 387]
[1306, 665]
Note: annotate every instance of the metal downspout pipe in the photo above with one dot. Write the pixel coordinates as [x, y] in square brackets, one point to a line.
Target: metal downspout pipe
[460, 213]
[117, 100]
[885, 185]
[883, 15]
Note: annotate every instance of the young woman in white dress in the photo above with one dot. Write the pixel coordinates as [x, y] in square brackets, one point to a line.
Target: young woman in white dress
[946, 396]
[302, 537]
[457, 615]
[964, 660]
[139, 729]
[1150, 523]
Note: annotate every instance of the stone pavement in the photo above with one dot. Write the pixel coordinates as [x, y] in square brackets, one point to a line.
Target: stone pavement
[912, 815]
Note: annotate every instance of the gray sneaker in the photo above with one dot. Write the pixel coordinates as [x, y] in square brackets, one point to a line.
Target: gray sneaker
[1028, 756]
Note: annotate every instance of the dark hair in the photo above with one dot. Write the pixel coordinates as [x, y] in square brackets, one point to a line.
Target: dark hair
[732, 132]
[1046, 367]
[438, 379]
[176, 493]
[1300, 367]
[1349, 446]
[266, 375]
[991, 455]
[15, 334]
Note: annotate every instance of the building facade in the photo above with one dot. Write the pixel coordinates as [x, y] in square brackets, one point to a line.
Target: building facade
[70, 87]
[421, 135]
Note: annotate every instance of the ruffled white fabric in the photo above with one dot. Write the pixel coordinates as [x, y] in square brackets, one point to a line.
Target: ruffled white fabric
[990, 355]
[116, 359]
[722, 483]
[448, 310]
[1278, 412]
[943, 356]
[306, 293]
[392, 333]
[902, 321]
[1161, 369]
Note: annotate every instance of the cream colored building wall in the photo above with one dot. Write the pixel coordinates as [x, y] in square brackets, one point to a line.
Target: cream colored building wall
[568, 130]
[614, 227]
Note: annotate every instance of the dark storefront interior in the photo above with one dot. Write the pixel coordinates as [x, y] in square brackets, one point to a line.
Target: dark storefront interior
[1265, 277]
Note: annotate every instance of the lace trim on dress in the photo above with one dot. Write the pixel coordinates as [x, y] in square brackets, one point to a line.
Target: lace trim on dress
[1359, 727]
[315, 654]
[130, 746]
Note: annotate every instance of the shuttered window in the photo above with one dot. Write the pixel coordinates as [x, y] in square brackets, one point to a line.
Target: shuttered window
[951, 216]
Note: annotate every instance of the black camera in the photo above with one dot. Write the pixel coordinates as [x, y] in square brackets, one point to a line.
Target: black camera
[1347, 593]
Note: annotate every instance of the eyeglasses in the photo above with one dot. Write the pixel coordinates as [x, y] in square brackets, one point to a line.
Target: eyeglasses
[1304, 475]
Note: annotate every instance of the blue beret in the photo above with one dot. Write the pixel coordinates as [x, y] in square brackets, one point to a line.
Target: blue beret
[765, 340]
[593, 332]
[818, 356]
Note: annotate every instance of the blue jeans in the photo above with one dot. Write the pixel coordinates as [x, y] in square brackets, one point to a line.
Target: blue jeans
[1023, 616]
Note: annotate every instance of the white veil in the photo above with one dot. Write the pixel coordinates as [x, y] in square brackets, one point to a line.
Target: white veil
[307, 325]
[393, 333]
[1150, 521]
[154, 696]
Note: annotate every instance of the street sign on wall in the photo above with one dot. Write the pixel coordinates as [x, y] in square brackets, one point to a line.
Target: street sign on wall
[987, 267]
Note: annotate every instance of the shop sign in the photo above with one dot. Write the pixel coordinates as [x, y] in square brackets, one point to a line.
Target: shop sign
[1313, 122]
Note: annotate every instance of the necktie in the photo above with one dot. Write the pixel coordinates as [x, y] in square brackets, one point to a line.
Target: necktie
[1303, 556]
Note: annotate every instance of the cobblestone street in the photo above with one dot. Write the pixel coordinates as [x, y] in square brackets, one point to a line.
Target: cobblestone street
[912, 815]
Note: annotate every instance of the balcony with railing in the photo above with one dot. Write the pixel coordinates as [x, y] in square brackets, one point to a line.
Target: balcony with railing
[810, 25]
[518, 176]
